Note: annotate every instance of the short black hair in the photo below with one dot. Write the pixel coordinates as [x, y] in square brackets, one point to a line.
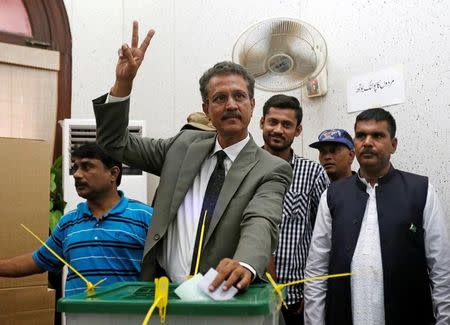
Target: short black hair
[222, 68]
[284, 102]
[93, 151]
[378, 114]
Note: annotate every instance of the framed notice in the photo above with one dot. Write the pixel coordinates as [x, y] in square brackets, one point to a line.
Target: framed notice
[376, 89]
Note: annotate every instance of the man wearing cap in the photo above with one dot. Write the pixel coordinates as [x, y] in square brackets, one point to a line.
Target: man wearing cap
[281, 124]
[387, 228]
[336, 153]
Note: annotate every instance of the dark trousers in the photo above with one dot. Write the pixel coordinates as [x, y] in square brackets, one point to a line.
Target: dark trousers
[293, 315]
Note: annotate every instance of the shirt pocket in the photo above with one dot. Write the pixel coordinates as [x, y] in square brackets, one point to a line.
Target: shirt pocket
[296, 205]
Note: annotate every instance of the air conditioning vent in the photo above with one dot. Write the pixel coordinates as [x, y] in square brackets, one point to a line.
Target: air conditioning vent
[79, 131]
[82, 134]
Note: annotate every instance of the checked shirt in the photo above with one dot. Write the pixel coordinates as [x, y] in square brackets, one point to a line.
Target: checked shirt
[299, 212]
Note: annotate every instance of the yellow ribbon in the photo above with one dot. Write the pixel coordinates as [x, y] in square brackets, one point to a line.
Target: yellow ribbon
[279, 287]
[89, 286]
[160, 301]
[200, 243]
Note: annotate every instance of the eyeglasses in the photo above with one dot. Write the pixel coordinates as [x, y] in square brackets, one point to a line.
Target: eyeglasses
[222, 98]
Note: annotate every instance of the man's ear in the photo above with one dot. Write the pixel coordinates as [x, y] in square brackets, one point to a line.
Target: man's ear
[205, 107]
[252, 103]
[394, 144]
[352, 155]
[261, 122]
[115, 171]
[298, 130]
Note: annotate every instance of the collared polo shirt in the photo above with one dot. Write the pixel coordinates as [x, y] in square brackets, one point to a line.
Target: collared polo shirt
[110, 247]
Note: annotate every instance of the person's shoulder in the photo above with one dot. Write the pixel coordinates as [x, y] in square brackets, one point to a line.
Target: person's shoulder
[344, 181]
[267, 158]
[71, 216]
[410, 175]
[306, 161]
[136, 204]
[301, 163]
[195, 134]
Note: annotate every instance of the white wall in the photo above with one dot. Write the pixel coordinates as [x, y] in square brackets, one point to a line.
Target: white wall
[192, 35]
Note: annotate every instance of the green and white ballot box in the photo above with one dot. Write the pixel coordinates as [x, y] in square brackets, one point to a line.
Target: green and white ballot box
[128, 303]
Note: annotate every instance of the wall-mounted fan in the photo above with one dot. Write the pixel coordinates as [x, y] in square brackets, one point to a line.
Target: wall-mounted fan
[284, 54]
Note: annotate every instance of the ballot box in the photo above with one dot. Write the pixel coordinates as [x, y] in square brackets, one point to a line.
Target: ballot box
[128, 303]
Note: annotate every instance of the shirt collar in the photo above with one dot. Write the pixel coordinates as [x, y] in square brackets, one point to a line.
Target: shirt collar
[120, 207]
[382, 179]
[233, 150]
[363, 180]
[293, 158]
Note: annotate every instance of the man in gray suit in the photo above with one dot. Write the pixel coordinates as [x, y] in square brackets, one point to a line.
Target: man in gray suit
[242, 228]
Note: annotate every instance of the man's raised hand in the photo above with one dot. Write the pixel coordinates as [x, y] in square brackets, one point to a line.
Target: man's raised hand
[130, 59]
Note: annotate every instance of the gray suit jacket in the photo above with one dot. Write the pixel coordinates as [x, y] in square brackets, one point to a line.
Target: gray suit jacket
[244, 225]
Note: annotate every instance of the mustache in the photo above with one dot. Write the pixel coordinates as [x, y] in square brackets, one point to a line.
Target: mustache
[80, 184]
[231, 114]
[367, 151]
[277, 137]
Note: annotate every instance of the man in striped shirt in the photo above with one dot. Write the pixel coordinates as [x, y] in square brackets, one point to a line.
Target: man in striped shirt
[103, 238]
[281, 123]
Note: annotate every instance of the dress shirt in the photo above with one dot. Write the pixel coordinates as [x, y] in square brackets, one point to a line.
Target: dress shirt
[367, 288]
[437, 251]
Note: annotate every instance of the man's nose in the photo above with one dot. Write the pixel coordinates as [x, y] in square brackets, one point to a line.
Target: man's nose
[278, 128]
[327, 156]
[368, 141]
[77, 174]
[231, 103]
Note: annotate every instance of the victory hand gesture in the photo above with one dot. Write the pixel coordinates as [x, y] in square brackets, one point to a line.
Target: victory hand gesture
[130, 60]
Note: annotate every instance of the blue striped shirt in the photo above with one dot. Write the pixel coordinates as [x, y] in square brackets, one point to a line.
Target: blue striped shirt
[110, 247]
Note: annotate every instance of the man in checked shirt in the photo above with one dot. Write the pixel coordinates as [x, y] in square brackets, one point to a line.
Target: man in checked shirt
[281, 124]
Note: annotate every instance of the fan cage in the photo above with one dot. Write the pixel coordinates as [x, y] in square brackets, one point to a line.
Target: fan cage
[271, 39]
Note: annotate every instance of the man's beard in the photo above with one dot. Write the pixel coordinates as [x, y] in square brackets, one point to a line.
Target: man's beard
[280, 146]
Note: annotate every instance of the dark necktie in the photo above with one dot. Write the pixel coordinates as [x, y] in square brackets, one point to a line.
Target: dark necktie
[209, 201]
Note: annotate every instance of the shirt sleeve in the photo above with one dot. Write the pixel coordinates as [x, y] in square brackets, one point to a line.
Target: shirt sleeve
[44, 258]
[437, 250]
[317, 265]
[114, 99]
[320, 185]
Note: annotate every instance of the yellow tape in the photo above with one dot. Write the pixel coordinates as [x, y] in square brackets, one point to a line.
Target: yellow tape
[89, 286]
[277, 290]
[279, 287]
[322, 277]
[161, 300]
[200, 244]
[150, 311]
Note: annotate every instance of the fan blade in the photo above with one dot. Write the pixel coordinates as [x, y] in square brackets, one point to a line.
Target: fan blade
[254, 61]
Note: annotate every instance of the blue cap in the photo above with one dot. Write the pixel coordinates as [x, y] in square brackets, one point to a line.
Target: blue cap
[334, 136]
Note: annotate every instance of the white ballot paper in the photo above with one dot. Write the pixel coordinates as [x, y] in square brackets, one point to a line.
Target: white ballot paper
[189, 290]
[219, 293]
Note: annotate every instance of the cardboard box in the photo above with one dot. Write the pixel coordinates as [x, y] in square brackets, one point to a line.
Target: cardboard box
[24, 198]
[27, 305]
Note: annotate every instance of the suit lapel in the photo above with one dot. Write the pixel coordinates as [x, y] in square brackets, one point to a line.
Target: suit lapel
[239, 169]
[195, 155]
